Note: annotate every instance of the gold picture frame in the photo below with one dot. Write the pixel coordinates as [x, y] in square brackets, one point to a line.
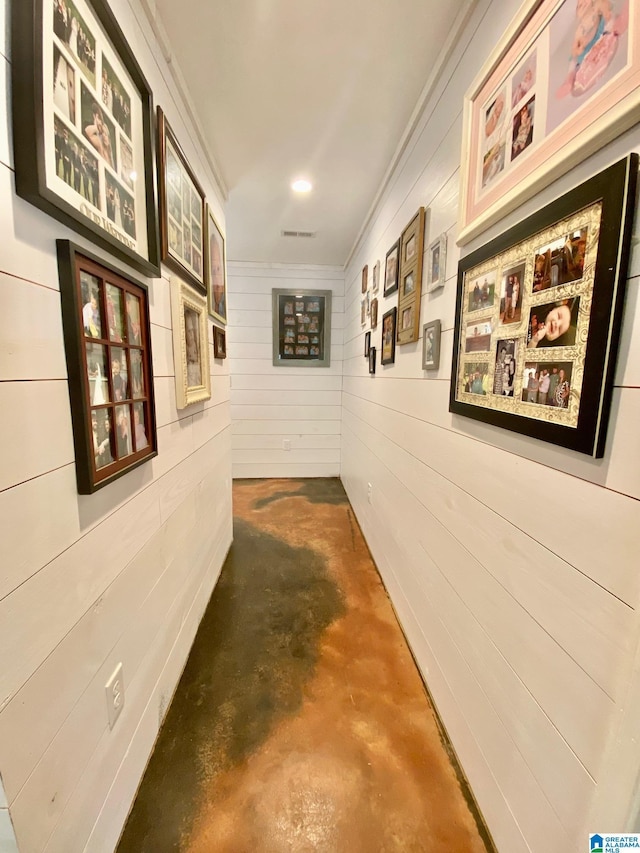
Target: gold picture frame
[190, 344]
[410, 279]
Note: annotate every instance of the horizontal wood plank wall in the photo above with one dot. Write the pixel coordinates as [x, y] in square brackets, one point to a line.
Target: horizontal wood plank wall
[90, 581]
[511, 563]
[270, 404]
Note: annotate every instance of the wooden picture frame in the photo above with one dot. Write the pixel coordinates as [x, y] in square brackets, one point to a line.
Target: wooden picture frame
[107, 338]
[182, 210]
[391, 269]
[219, 343]
[410, 279]
[538, 316]
[431, 345]
[388, 342]
[437, 263]
[541, 105]
[365, 278]
[301, 327]
[372, 360]
[216, 270]
[190, 344]
[367, 344]
[83, 138]
[374, 313]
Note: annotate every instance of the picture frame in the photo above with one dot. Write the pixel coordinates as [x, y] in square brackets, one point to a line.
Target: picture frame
[83, 141]
[190, 344]
[391, 269]
[365, 278]
[538, 316]
[372, 360]
[538, 107]
[410, 279]
[367, 344]
[374, 313]
[301, 327]
[431, 333]
[437, 263]
[388, 342]
[182, 210]
[107, 339]
[375, 286]
[219, 343]
[216, 269]
[363, 311]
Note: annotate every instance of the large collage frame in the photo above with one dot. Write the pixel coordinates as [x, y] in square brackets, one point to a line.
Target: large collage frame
[538, 316]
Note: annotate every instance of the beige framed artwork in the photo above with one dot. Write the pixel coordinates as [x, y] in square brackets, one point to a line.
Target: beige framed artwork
[410, 279]
[561, 83]
[190, 344]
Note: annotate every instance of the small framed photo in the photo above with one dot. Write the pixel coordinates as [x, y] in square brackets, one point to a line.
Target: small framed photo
[105, 316]
[83, 126]
[437, 263]
[367, 344]
[412, 250]
[376, 277]
[372, 360]
[219, 342]
[391, 270]
[182, 210]
[431, 345]
[363, 311]
[301, 327]
[190, 344]
[216, 269]
[365, 278]
[367, 299]
[389, 320]
[374, 313]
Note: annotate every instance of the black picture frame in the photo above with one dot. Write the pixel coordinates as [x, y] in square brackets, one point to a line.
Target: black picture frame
[301, 327]
[538, 316]
[367, 344]
[219, 343]
[392, 269]
[183, 251]
[101, 185]
[372, 360]
[388, 341]
[113, 413]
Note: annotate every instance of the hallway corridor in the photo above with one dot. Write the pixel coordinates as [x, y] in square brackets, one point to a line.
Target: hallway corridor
[300, 722]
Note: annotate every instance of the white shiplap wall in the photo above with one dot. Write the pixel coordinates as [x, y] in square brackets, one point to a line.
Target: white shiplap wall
[270, 404]
[89, 581]
[512, 563]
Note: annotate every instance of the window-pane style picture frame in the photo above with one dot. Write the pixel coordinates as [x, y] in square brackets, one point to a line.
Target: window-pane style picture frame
[301, 327]
[538, 316]
[182, 210]
[410, 279]
[107, 337]
[190, 344]
[84, 146]
[216, 269]
[388, 343]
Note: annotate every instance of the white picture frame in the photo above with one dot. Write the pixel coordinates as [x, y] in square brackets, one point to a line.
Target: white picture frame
[190, 344]
[437, 263]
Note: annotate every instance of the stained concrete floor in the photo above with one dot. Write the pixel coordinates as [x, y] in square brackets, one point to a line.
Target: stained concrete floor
[301, 724]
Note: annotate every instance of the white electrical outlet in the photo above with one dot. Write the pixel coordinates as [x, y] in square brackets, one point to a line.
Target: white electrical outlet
[114, 689]
[369, 491]
[286, 444]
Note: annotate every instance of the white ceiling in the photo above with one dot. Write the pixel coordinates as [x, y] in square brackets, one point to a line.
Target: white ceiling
[289, 88]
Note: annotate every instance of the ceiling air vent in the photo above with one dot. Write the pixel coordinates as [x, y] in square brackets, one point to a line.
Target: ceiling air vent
[298, 233]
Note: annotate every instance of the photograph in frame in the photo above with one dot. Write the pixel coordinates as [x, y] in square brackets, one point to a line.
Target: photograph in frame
[431, 345]
[437, 263]
[367, 344]
[533, 330]
[391, 269]
[372, 360]
[216, 270]
[388, 343]
[301, 327]
[189, 320]
[410, 276]
[375, 286]
[219, 343]
[365, 278]
[82, 124]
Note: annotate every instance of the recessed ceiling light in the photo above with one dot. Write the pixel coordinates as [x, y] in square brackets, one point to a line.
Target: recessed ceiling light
[301, 186]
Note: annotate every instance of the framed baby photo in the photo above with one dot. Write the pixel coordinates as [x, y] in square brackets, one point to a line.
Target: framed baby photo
[436, 263]
[219, 342]
[431, 345]
[190, 344]
[216, 270]
[388, 346]
[83, 120]
[107, 338]
[562, 82]
[410, 279]
[538, 316]
[182, 210]
[301, 327]
[391, 269]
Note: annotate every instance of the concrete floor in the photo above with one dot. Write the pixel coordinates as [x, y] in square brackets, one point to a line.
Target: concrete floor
[301, 722]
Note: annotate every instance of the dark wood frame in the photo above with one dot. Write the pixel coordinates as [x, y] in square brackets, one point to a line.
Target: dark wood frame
[367, 344]
[30, 146]
[391, 288]
[412, 266]
[164, 133]
[208, 268]
[615, 188]
[279, 296]
[374, 312]
[73, 259]
[372, 360]
[393, 312]
[219, 343]
[365, 278]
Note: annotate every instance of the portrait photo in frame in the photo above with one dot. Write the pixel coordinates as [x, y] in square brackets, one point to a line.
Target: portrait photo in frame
[182, 210]
[431, 345]
[190, 344]
[107, 336]
[410, 279]
[436, 263]
[301, 327]
[219, 343]
[535, 346]
[388, 343]
[545, 99]
[391, 269]
[83, 138]
[374, 313]
[216, 269]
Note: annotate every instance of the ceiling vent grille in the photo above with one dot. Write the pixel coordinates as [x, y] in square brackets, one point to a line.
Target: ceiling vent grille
[298, 233]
